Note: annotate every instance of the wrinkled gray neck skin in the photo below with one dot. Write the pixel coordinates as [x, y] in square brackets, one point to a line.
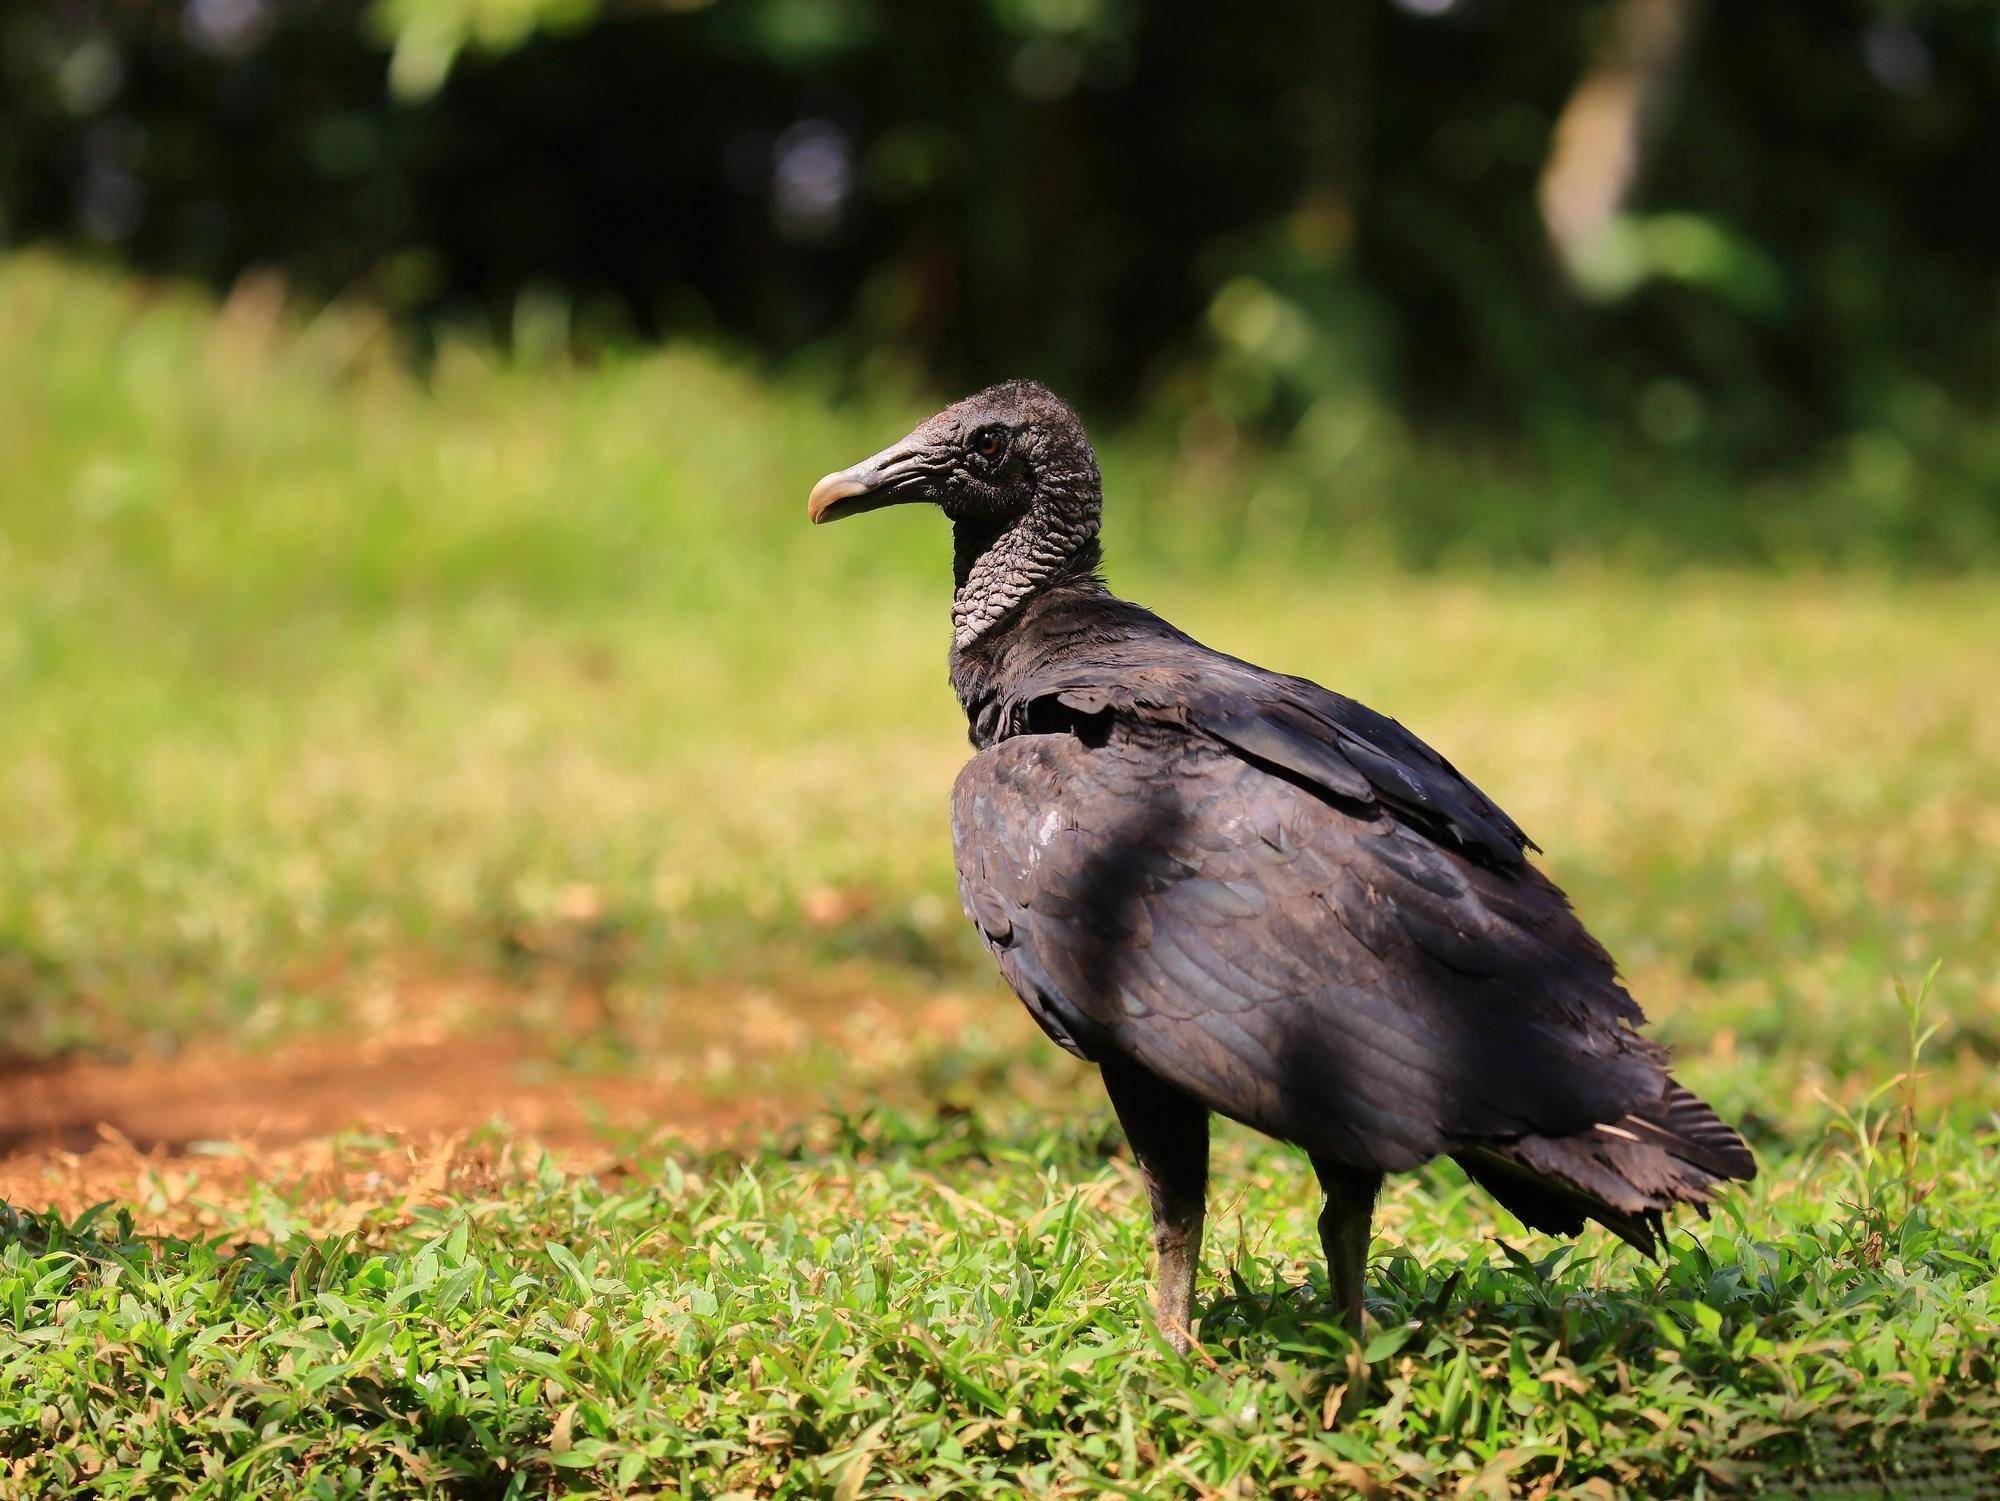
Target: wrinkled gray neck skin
[1008, 572]
[997, 569]
[1008, 580]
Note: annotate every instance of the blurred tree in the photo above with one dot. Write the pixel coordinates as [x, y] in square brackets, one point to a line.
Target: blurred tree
[1608, 126]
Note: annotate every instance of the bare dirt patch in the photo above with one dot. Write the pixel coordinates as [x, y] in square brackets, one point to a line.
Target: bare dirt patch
[336, 1130]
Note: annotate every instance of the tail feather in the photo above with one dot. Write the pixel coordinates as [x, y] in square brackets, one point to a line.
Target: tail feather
[1624, 1174]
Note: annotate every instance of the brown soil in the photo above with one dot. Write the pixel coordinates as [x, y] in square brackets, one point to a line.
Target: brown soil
[345, 1131]
[337, 1130]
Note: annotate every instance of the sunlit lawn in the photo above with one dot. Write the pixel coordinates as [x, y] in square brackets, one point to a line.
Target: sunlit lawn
[312, 674]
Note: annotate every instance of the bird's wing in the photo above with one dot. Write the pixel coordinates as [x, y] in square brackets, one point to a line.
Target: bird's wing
[1309, 964]
[1290, 725]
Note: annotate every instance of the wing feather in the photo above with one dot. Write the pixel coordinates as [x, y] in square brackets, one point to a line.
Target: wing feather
[1310, 965]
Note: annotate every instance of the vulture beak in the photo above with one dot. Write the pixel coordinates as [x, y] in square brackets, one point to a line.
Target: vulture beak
[890, 478]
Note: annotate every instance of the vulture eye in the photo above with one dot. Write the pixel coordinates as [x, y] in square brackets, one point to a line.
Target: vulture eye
[989, 442]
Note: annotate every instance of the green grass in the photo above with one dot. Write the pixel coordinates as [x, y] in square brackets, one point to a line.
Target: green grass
[950, 1305]
[317, 677]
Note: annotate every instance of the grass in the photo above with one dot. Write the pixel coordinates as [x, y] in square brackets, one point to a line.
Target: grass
[888, 1306]
[317, 678]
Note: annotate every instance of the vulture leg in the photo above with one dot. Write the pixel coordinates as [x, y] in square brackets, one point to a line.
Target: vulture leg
[1169, 1136]
[1344, 1233]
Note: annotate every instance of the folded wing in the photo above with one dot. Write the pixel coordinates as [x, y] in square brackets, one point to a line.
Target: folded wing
[1302, 956]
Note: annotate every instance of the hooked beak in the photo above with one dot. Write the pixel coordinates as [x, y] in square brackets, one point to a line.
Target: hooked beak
[889, 478]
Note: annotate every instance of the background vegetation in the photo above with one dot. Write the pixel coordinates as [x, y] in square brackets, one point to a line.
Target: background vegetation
[415, 672]
[1700, 282]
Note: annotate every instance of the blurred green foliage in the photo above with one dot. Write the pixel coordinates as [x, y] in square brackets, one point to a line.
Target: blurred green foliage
[1319, 230]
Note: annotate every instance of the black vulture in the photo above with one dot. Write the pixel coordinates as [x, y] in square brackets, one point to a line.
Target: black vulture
[1236, 891]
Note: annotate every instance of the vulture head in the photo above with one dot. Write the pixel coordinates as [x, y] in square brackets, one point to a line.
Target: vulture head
[1009, 454]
